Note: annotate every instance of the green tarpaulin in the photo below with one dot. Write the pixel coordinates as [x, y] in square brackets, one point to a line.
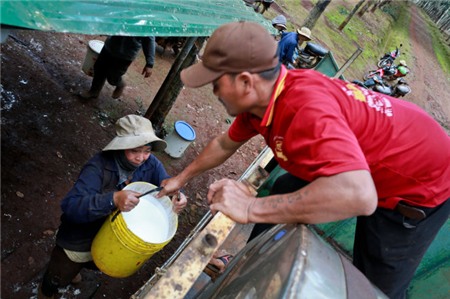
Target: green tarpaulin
[129, 17]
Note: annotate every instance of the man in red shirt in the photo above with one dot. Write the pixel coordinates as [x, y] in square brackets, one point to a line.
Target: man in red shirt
[349, 152]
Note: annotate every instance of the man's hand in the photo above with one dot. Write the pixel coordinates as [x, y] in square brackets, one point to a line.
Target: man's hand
[147, 71]
[179, 201]
[126, 200]
[232, 198]
[170, 186]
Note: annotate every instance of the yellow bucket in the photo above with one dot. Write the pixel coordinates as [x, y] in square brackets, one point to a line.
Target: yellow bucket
[124, 243]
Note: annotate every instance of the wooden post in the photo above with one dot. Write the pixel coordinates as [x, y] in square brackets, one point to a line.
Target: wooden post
[172, 85]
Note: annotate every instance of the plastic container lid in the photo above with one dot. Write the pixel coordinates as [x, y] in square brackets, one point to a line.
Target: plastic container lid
[96, 45]
[185, 130]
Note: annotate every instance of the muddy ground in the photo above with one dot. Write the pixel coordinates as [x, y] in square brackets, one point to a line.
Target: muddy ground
[48, 133]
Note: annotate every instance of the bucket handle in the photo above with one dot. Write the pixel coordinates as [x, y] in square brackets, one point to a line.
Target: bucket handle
[143, 194]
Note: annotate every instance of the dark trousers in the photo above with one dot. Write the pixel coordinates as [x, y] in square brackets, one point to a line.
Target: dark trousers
[388, 247]
[286, 183]
[108, 67]
[60, 271]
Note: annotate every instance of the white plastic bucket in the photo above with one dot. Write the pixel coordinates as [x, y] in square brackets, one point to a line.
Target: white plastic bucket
[180, 138]
[94, 48]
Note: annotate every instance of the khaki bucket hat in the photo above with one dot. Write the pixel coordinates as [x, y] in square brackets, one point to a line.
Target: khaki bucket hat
[304, 31]
[134, 131]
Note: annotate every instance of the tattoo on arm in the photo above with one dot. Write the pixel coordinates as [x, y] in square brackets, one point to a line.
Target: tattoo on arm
[277, 199]
[290, 198]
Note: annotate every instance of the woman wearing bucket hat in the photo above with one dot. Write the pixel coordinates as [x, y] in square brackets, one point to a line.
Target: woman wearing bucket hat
[98, 192]
[290, 41]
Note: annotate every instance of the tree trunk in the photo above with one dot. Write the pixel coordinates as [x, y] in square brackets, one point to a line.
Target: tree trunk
[172, 85]
[363, 10]
[375, 5]
[349, 17]
[438, 11]
[315, 13]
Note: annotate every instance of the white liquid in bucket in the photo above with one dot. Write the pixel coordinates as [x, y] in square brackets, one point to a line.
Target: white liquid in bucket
[148, 220]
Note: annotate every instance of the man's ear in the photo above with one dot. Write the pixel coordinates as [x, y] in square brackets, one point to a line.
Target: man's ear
[245, 81]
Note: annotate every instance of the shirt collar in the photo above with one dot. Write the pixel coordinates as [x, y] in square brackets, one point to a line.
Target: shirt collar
[278, 88]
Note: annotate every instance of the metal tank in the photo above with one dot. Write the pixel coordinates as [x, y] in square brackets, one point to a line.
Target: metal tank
[290, 261]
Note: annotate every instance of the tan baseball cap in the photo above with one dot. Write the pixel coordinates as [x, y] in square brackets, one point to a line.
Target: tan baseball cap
[233, 48]
[134, 131]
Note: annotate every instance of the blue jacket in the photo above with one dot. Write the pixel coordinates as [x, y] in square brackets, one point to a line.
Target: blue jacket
[90, 200]
[286, 46]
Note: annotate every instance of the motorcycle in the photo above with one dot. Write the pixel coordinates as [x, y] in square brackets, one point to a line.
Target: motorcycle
[390, 73]
[376, 83]
[308, 57]
[388, 58]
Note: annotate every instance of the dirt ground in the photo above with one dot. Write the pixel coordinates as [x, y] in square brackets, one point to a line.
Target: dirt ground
[48, 133]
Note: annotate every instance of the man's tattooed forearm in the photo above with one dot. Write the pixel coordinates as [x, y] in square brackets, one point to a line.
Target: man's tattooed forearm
[290, 198]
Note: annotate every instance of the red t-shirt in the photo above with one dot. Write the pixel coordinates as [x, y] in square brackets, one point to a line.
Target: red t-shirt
[317, 126]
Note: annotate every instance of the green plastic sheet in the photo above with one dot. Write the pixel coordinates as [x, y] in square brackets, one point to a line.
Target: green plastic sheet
[129, 17]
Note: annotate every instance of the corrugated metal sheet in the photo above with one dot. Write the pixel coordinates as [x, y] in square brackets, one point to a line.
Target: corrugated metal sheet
[129, 17]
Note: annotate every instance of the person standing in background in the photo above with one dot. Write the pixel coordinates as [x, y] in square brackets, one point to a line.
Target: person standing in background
[279, 23]
[113, 62]
[289, 42]
[265, 5]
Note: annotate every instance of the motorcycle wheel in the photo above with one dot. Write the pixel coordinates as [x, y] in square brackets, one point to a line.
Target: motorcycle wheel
[401, 90]
[369, 75]
[383, 62]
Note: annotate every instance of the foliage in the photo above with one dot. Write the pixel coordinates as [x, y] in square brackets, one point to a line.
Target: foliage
[441, 49]
[392, 10]
[358, 33]
[343, 11]
[336, 17]
[297, 13]
[399, 32]
[377, 33]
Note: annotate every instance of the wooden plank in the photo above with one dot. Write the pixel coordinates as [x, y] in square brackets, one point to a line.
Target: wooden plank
[181, 275]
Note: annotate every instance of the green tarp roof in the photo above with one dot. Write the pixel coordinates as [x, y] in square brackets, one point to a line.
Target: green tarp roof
[129, 17]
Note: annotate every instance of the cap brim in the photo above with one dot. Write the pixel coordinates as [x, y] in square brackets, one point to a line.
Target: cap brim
[129, 142]
[198, 75]
[307, 37]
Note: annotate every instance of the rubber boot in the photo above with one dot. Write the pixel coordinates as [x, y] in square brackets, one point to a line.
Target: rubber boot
[117, 93]
[94, 91]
